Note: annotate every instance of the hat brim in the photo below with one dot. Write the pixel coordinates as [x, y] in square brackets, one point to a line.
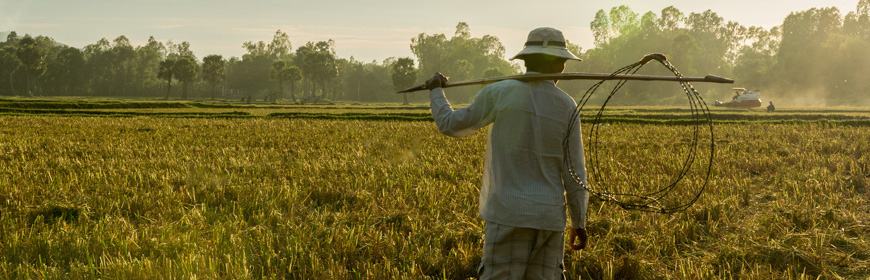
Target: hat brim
[550, 50]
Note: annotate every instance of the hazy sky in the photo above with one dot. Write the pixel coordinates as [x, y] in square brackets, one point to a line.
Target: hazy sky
[366, 29]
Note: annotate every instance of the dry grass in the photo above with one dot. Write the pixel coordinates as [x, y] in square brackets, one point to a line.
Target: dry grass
[142, 197]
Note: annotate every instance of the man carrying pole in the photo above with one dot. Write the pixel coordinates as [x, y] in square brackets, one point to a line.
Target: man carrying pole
[526, 184]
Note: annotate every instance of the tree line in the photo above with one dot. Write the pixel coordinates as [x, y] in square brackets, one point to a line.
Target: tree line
[268, 71]
[39, 66]
[818, 55]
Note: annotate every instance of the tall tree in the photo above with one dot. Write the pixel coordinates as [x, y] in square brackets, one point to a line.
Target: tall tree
[294, 75]
[601, 28]
[8, 65]
[671, 18]
[98, 66]
[492, 72]
[430, 52]
[12, 38]
[623, 20]
[185, 71]
[64, 74]
[327, 68]
[857, 23]
[809, 34]
[404, 75]
[462, 56]
[250, 75]
[280, 46]
[32, 59]
[280, 72]
[147, 62]
[756, 62]
[318, 64]
[123, 59]
[214, 70]
[167, 72]
[182, 49]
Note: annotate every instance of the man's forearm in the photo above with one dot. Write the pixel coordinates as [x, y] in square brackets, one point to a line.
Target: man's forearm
[578, 203]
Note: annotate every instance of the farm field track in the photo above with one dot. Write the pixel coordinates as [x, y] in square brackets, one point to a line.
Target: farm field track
[858, 116]
[184, 190]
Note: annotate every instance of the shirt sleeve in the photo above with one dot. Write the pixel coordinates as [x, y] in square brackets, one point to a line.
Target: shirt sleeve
[576, 195]
[463, 121]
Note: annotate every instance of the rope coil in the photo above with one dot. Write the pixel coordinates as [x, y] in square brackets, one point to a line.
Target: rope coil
[652, 201]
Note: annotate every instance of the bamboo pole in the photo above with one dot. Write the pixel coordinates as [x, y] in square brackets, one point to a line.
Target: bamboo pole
[578, 76]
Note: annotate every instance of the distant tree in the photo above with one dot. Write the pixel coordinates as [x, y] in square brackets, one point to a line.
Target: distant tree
[601, 30]
[64, 74]
[280, 47]
[404, 75]
[147, 64]
[460, 57]
[179, 50]
[671, 18]
[318, 64]
[857, 23]
[250, 75]
[294, 75]
[122, 59]
[167, 72]
[649, 23]
[367, 81]
[280, 71]
[8, 65]
[32, 59]
[623, 20]
[492, 72]
[185, 71]
[12, 38]
[808, 34]
[756, 61]
[431, 54]
[461, 69]
[214, 70]
[156, 46]
[98, 66]
[306, 62]
[255, 49]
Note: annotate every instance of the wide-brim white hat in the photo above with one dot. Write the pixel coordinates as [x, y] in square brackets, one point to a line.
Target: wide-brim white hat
[546, 40]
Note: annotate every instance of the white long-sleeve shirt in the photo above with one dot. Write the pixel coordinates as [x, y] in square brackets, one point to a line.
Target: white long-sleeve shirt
[526, 182]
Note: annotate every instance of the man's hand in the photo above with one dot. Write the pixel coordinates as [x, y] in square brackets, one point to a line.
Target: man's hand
[436, 81]
[572, 236]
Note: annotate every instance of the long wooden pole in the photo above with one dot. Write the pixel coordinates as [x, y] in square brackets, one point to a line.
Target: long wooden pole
[578, 76]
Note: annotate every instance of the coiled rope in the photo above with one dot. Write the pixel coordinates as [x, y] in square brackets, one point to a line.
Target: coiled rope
[651, 201]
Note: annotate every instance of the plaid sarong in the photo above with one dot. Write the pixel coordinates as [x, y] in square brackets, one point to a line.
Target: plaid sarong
[521, 253]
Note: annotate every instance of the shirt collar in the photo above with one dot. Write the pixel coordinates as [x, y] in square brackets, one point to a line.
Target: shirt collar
[533, 72]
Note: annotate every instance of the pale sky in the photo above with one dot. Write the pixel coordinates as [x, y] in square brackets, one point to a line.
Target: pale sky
[366, 29]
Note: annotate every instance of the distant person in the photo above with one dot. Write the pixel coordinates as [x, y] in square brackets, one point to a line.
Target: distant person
[526, 183]
[736, 94]
[771, 108]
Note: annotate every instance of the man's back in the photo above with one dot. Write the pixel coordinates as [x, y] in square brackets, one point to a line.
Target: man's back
[524, 180]
[523, 186]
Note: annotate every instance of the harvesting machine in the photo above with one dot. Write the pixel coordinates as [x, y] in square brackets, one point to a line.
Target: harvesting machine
[742, 99]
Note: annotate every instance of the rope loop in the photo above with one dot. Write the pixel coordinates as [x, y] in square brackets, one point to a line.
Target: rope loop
[653, 201]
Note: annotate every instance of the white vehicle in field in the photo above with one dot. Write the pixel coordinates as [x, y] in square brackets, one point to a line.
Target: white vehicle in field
[742, 99]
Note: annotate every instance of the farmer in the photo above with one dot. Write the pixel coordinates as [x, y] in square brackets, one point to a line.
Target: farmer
[771, 108]
[526, 183]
